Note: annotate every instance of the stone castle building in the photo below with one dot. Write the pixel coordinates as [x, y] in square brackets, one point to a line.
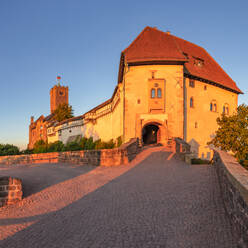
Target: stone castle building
[167, 87]
[38, 128]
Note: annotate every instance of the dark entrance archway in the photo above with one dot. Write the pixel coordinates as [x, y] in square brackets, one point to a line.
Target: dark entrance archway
[150, 134]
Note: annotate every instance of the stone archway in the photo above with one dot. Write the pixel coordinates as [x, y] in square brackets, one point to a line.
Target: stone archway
[153, 133]
[150, 134]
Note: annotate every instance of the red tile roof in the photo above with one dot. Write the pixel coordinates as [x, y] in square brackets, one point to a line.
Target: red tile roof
[154, 45]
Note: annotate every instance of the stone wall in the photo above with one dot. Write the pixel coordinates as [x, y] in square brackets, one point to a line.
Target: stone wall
[106, 157]
[233, 179]
[10, 190]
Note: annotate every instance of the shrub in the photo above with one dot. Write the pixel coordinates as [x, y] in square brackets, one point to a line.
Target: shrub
[82, 142]
[73, 146]
[119, 141]
[8, 149]
[89, 145]
[40, 146]
[199, 161]
[56, 146]
[27, 151]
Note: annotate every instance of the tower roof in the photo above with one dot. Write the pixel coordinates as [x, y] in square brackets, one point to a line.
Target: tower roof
[154, 45]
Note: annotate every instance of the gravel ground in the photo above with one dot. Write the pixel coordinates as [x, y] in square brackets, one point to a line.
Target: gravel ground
[156, 201]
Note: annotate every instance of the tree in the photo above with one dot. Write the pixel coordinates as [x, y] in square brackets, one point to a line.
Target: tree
[7, 149]
[40, 146]
[64, 111]
[232, 134]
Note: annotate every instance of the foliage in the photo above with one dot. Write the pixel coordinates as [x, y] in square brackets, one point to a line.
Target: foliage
[27, 151]
[7, 149]
[40, 146]
[64, 111]
[232, 134]
[119, 141]
[73, 146]
[56, 146]
[89, 145]
[199, 161]
[104, 145]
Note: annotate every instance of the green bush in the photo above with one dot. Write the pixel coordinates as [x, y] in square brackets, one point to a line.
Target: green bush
[27, 151]
[56, 146]
[199, 161]
[119, 141]
[104, 145]
[8, 149]
[40, 146]
[73, 146]
[89, 145]
[82, 142]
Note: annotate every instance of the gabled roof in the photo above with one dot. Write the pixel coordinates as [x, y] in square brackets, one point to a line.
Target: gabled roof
[153, 45]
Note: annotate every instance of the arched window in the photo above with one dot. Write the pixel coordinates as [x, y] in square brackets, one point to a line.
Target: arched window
[213, 106]
[153, 93]
[159, 93]
[226, 109]
[191, 102]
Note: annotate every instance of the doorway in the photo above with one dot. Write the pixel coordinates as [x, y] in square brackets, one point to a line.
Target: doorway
[150, 134]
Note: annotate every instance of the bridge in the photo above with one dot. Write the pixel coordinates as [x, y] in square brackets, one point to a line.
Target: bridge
[155, 201]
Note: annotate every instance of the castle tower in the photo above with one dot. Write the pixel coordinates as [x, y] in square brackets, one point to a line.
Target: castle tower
[58, 95]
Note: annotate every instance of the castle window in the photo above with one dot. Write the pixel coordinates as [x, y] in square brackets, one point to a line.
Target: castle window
[159, 93]
[192, 83]
[226, 109]
[138, 101]
[198, 62]
[205, 87]
[196, 125]
[153, 93]
[191, 102]
[213, 106]
[59, 132]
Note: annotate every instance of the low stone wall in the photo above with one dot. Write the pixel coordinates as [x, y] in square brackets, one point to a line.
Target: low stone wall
[233, 179]
[10, 190]
[182, 148]
[106, 157]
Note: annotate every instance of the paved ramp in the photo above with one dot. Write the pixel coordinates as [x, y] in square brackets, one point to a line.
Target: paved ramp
[157, 201]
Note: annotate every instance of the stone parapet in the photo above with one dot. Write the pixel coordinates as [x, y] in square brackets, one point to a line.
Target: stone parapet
[107, 157]
[233, 179]
[10, 190]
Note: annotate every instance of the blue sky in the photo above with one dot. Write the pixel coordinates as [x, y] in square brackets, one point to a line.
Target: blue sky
[81, 41]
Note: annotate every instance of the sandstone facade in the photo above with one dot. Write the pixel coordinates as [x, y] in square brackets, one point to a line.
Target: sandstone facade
[167, 87]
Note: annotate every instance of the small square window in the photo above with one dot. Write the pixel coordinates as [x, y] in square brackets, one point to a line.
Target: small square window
[192, 83]
[138, 101]
[205, 87]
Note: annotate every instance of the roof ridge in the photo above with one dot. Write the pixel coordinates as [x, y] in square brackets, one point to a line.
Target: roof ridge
[137, 38]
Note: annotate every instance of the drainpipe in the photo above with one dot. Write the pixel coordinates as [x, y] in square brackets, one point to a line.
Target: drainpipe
[184, 110]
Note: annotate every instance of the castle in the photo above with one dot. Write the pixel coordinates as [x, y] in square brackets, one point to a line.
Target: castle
[167, 87]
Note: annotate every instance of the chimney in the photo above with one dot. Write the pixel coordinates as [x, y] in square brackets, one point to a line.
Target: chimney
[168, 32]
[32, 119]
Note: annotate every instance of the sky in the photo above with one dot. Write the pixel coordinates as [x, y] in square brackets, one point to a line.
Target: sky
[82, 40]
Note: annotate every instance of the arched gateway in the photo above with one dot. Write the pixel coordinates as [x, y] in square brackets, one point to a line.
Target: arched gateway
[153, 133]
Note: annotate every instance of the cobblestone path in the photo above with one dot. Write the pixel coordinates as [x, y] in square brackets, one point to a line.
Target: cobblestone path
[156, 201]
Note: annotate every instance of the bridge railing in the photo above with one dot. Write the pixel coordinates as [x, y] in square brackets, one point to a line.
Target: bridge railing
[233, 181]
